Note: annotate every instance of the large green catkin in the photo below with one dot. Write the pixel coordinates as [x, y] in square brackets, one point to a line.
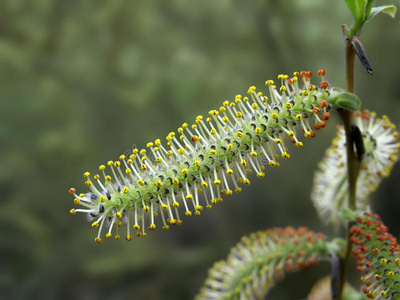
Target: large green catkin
[211, 158]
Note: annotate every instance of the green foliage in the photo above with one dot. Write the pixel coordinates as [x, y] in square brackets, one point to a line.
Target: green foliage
[363, 11]
[346, 100]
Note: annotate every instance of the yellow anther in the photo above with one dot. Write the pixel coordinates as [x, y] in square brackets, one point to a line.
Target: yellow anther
[128, 171]
[254, 105]
[239, 115]
[88, 182]
[269, 82]
[197, 213]
[164, 206]
[248, 171]
[213, 152]
[86, 174]
[97, 240]
[246, 181]
[390, 273]
[95, 224]
[229, 171]
[149, 145]
[226, 103]
[243, 163]
[198, 207]
[181, 150]
[299, 144]
[272, 163]
[197, 163]
[283, 89]
[274, 116]
[170, 153]
[222, 109]
[184, 171]
[110, 163]
[136, 226]
[176, 204]
[208, 120]
[278, 141]
[180, 130]
[213, 131]
[260, 175]
[298, 117]
[117, 164]
[97, 176]
[285, 155]
[307, 134]
[132, 156]
[143, 167]
[288, 105]
[72, 211]
[152, 227]
[312, 88]
[253, 153]
[118, 215]
[204, 184]
[290, 133]
[175, 181]
[189, 197]
[142, 152]
[188, 213]
[239, 134]
[240, 180]
[141, 182]
[305, 93]
[257, 130]
[265, 99]
[383, 261]
[229, 192]
[217, 182]
[229, 147]
[102, 167]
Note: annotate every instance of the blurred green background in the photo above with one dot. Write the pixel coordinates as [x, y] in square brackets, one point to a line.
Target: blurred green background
[81, 82]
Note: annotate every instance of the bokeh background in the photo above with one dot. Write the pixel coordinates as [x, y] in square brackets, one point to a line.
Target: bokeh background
[81, 82]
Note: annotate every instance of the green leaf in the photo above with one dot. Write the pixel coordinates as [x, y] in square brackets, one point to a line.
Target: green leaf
[346, 100]
[368, 8]
[386, 9]
[357, 8]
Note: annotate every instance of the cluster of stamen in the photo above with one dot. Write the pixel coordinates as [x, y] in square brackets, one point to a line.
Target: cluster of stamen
[261, 259]
[378, 258]
[330, 190]
[205, 160]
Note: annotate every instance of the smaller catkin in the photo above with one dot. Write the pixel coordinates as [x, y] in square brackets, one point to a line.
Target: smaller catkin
[330, 188]
[378, 258]
[260, 260]
[201, 162]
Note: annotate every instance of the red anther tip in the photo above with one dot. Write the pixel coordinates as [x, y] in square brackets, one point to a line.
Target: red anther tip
[326, 116]
[303, 73]
[308, 74]
[321, 72]
[72, 191]
[324, 85]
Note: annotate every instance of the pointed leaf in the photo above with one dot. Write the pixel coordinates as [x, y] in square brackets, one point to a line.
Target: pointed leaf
[357, 8]
[368, 8]
[386, 9]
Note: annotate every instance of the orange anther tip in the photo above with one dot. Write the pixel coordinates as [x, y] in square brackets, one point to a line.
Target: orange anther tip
[72, 191]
